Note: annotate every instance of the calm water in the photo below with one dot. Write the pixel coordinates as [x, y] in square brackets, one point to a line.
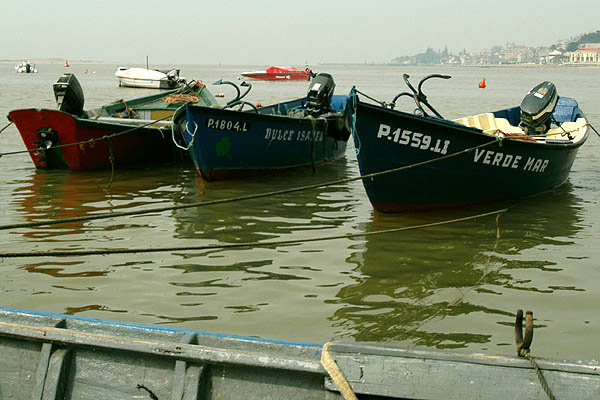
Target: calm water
[452, 286]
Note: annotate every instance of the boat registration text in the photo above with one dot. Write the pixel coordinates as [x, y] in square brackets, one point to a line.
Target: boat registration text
[227, 125]
[413, 139]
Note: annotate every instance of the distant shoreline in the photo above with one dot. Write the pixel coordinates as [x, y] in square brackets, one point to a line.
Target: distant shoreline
[331, 64]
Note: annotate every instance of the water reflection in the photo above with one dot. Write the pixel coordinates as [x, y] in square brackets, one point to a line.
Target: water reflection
[62, 194]
[410, 281]
[274, 217]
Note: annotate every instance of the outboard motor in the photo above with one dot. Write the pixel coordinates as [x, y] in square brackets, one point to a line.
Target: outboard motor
[318, 99]
[68, 94]
[537, 108]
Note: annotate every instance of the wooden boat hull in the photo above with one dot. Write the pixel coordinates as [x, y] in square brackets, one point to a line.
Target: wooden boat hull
[40, 128]
[144, 145]
[226, 143]
[503, 170]
[47, 355]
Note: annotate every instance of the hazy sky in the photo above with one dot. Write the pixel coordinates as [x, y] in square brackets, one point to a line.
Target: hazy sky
[281, 32]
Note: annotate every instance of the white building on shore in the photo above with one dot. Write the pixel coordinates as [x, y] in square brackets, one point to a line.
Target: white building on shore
[587, 53]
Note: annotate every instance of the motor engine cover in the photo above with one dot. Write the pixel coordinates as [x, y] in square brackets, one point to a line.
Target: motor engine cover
[318, 99]
[537, 108]
[68, 94]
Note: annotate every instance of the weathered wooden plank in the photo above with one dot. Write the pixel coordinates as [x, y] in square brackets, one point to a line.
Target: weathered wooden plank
[197, 353]
[91, 359]
[402, 373]
[58, 368]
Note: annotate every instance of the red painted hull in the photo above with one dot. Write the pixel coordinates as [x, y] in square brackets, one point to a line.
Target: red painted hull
[145, 145]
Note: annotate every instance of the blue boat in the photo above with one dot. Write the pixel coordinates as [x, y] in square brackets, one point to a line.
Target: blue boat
[230, 142]
[421, 160]
[58, 356]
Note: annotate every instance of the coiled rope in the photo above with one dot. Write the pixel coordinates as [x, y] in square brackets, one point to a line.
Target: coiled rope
[247, 197]
[238, 245]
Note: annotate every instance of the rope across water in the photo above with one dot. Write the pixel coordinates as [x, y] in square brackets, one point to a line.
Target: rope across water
[239, 245]
[240, 198]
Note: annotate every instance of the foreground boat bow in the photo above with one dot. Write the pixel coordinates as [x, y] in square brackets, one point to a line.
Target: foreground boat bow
[48, 355]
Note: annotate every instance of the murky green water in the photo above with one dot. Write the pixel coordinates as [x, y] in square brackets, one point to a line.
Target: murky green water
[451, 286]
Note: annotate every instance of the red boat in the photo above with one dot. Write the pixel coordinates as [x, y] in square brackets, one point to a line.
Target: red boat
[123, 132]
[280, 74]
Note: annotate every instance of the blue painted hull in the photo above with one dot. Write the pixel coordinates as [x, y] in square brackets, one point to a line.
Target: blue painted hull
[503, 170]
[226, 143]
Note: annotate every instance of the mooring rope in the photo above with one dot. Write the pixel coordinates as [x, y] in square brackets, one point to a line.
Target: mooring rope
[526, 353]
[246, 197]
[6, 126]
[594, 129]
[336, 374]
[462, 295]
[239, 245]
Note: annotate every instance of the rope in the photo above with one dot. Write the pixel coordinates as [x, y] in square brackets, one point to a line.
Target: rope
[313, 123]
[192, 134]
[526, 353]
[336, 374]
[238, 245]
[590, 125]
[6, 126]
[241, 198]
[353, 116]
[382, 103]
[180, 98]
[111, 158]
[462, 295]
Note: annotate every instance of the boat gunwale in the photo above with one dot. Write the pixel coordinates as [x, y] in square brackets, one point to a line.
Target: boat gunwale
[456, 128]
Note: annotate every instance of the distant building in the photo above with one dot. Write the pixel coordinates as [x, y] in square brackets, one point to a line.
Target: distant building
[587, 53]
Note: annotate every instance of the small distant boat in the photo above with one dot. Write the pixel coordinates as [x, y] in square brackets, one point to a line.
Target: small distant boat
[227, 143]
[50, 134]
[26, 68]
[149, 78]
[502, 155]
[67, 63]
[280, 74]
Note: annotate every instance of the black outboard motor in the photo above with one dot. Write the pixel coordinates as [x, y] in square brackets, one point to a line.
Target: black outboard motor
[318, 99]
[68, 94]
[537, 108]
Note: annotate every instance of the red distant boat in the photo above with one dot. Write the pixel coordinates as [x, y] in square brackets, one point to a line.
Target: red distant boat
[280, 74]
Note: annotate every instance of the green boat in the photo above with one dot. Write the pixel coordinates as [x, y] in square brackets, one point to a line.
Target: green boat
[55, 356]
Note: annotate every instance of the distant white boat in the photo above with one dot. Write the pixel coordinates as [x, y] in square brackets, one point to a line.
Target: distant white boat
[26, 68]
[148, 78]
